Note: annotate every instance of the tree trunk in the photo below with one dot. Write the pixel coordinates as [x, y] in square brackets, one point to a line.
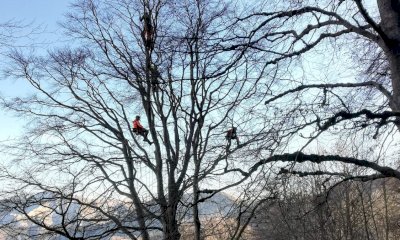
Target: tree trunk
[389, 11]
[364, 212]
[170, 223]
[349, 224]
[170, 228]
[385, 198]
[196, 219]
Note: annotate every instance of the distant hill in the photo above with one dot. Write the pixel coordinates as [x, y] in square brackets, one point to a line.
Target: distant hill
[80, 221]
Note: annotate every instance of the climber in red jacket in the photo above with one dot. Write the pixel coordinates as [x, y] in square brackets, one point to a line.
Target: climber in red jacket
[140, 130]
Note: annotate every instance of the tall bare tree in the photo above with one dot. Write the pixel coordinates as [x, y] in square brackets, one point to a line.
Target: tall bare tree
[168, 61]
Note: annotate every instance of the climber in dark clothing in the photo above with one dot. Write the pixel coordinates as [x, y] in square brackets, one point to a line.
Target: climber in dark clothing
[148, 31]
[231, 134]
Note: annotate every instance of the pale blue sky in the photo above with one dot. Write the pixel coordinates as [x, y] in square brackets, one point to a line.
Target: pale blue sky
[44, 13]
[47, 12]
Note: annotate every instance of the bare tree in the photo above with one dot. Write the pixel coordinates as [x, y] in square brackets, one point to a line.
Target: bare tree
[168, 61]
[355, 107]
[314, 208]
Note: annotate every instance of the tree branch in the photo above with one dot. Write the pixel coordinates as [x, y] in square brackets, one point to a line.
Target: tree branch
[314, 158]
[376, 85]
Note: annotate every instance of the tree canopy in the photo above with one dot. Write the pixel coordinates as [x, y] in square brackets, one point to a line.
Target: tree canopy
[297, 79]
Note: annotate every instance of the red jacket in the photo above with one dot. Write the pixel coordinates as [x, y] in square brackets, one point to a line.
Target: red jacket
[136, 124]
